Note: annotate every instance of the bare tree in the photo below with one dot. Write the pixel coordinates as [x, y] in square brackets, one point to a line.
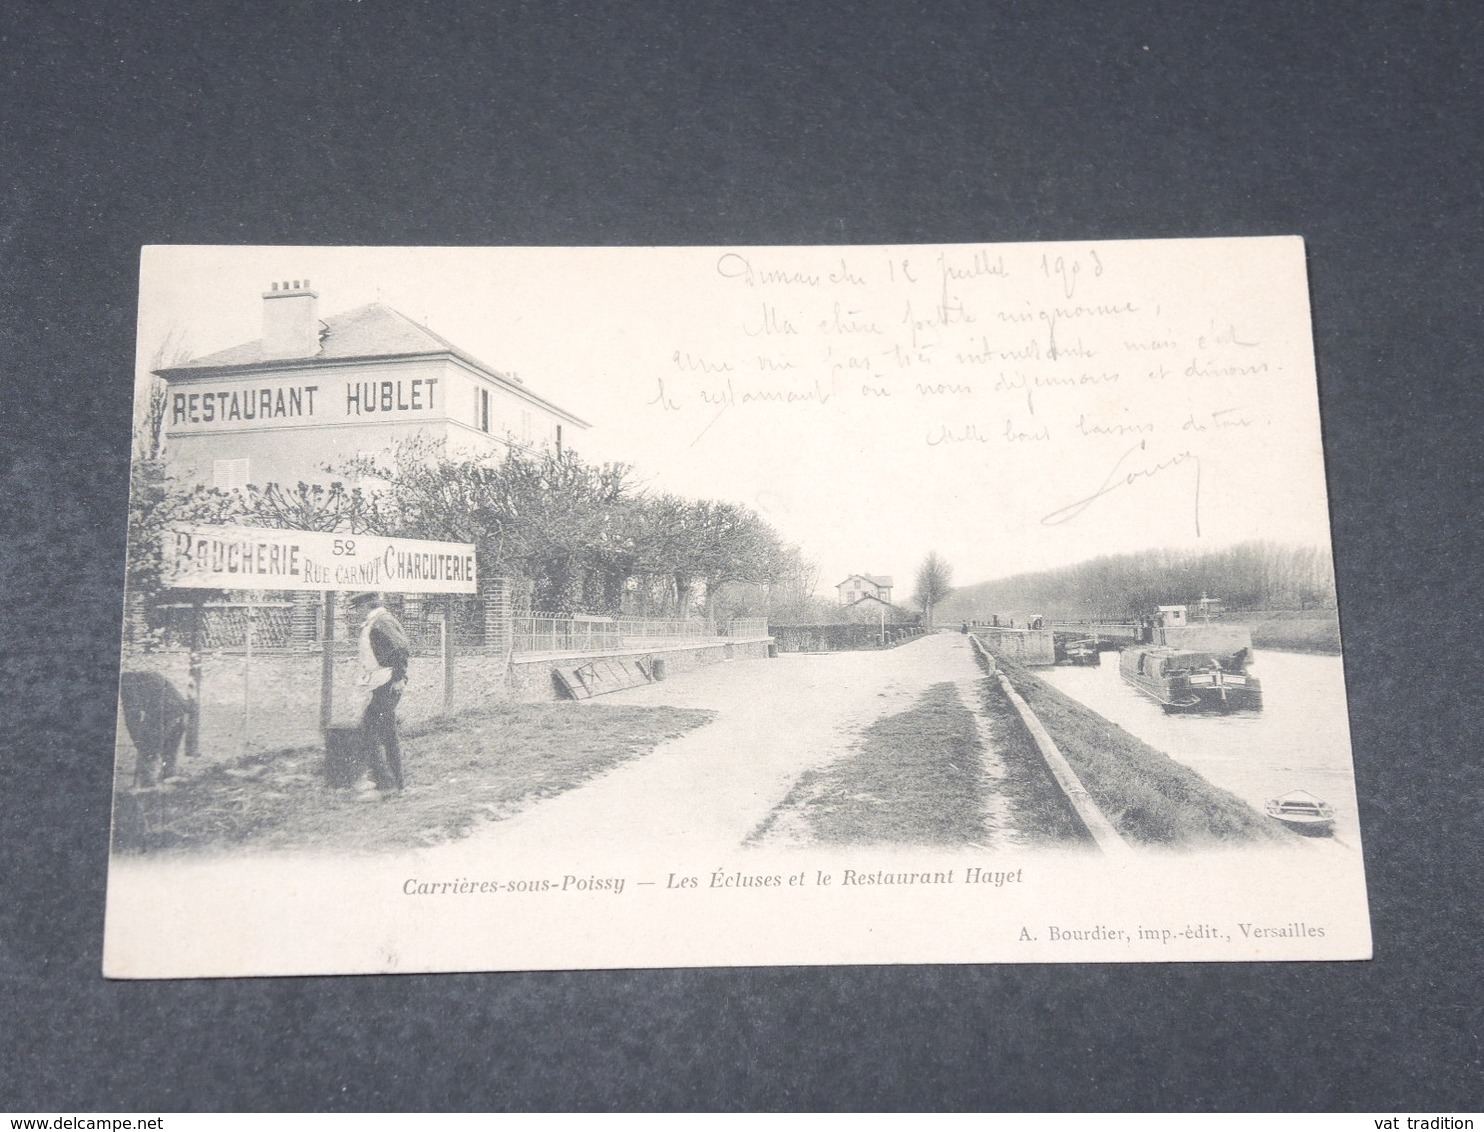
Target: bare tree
[934, 583]
[313, 507]
[149, 415]
[149, 423]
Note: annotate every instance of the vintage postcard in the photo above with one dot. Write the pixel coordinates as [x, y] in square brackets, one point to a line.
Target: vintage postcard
[531, 608]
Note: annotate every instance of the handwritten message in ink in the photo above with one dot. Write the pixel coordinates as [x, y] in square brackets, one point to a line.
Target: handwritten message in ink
[1117, 374]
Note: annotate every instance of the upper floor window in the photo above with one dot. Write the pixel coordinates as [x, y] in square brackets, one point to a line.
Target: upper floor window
[228, 475]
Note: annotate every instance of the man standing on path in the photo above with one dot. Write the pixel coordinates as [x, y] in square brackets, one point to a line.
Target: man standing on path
[383, 654]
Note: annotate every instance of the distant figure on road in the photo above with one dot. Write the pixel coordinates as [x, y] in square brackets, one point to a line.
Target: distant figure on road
[965, 629]
[384, 650]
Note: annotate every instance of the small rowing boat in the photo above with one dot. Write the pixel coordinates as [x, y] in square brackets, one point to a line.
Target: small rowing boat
[1303, 813]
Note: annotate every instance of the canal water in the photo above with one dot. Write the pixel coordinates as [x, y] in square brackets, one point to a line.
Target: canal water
[1299, 741]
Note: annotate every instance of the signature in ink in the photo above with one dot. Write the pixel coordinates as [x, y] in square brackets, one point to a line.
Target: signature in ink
[1118, 477]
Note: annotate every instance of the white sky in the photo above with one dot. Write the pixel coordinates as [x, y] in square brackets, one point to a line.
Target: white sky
[920, 406]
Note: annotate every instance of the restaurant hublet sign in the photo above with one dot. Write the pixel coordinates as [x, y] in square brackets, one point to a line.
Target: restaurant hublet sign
[264, 558]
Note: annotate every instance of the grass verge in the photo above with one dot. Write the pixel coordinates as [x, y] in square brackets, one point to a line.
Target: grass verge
[1300, 632]
[1149, 797]
[915, 780]
[481, 765]
[1040, 814]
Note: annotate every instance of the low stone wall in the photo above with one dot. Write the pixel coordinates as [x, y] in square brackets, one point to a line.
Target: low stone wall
[531, 678]
[1024, 646]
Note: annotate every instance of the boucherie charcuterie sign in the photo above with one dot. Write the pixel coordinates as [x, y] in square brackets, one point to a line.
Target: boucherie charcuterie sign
[263, 558]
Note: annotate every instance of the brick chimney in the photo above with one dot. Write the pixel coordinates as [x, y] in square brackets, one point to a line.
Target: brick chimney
[290, 321]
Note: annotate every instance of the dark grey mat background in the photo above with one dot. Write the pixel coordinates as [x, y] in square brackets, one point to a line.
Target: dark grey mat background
[340, 122]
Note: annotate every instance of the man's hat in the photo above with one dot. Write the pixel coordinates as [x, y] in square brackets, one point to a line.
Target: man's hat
[366, 597]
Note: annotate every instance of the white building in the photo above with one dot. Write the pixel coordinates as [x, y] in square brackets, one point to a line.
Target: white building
[858, 586]
[313, 394]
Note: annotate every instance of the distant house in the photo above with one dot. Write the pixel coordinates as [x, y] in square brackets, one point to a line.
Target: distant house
[315, 393]
[857, 586]
[872, 609]
[867, 597]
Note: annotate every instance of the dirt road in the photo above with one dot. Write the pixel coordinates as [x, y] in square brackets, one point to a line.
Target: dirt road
[777, 718]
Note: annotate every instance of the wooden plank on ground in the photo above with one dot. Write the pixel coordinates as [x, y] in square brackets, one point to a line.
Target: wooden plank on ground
[603, 674]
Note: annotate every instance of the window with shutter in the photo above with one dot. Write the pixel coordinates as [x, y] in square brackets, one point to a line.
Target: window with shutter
[229, 475]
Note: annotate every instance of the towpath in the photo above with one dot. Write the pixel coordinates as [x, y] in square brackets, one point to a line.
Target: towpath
[776, 719]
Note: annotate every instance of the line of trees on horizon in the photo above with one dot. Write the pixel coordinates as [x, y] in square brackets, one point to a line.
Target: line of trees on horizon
[1249, 575]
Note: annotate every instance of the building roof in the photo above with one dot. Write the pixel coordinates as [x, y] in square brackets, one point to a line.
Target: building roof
[883, 580]
[373, 331]
[871, 597]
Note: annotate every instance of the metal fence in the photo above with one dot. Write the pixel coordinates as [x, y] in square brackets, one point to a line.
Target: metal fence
[1093, 625]
[564, 632]
[230, 626]
[260, 675]
[267, 625]
[639, 630]
[298, 626]
[551, 632]
[745, 627]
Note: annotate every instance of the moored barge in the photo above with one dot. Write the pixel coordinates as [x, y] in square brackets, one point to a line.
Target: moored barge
[1193, 668]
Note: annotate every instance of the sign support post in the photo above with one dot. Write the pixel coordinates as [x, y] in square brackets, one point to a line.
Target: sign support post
[445, 651]
[252, 617]
[193, 701]
[327, 664]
